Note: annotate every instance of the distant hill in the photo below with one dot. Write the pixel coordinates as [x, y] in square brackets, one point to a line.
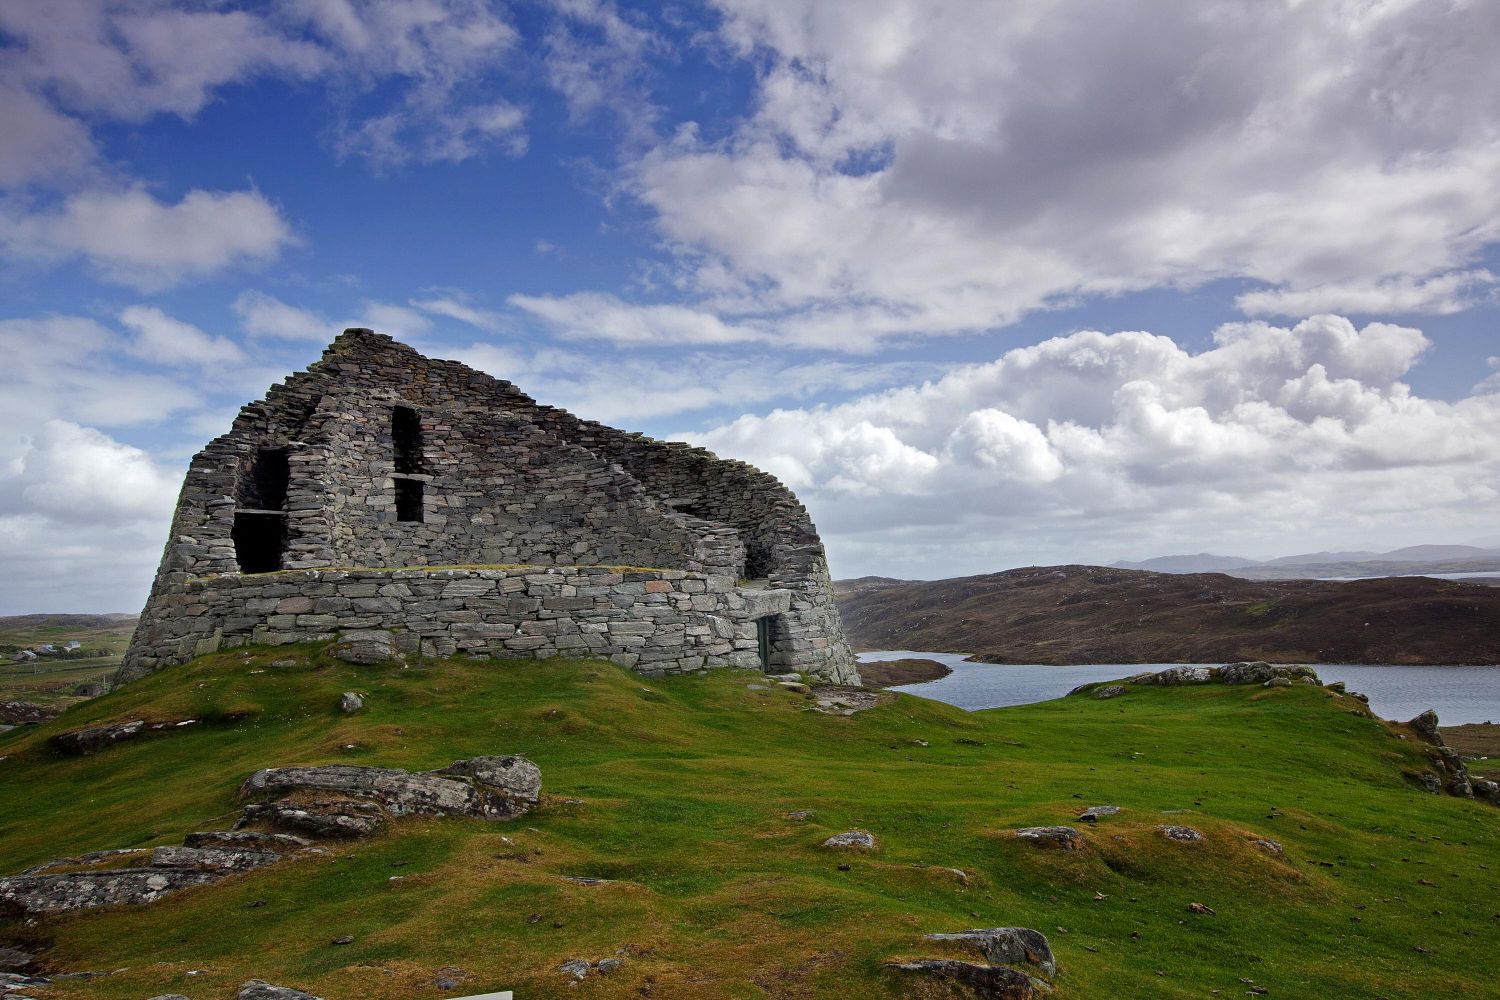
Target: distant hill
[32, 623]
[1408, 561]
[1203, 562]
[1095, 614]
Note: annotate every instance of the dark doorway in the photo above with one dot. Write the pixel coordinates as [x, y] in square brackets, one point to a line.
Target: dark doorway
[406, 433]
[765, 640]
[257, 541]
[264, 479]
[409, 500]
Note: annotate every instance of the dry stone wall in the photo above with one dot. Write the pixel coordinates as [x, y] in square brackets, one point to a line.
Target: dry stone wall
[377, 457]
[666, 621]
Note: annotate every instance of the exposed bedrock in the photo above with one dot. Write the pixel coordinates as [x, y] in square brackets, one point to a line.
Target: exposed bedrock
[336, 801]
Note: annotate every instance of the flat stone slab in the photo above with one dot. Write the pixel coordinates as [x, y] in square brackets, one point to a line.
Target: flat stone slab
[855, 839]
[485, 787]
[1181, 834]
[35, 894]
[1094, 813]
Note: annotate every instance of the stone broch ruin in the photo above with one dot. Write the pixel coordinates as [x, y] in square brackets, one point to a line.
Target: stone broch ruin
[398, 503]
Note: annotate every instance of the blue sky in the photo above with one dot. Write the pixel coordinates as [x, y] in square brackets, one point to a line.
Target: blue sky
[1048, 281]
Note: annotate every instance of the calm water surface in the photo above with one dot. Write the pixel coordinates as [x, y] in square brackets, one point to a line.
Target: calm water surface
[1459, 694]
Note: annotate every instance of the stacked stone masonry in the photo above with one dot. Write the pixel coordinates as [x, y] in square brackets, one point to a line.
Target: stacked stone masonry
[421, 474]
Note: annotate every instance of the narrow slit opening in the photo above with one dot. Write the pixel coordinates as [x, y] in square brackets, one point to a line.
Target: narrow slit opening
[406, 436]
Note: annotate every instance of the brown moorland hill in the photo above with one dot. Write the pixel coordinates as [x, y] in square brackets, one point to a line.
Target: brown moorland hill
[1093, 614]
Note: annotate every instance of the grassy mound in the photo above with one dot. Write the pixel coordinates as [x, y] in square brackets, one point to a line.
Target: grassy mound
[676, 792]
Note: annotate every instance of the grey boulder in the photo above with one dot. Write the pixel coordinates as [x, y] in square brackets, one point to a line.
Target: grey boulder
[484, 787]
[857, 840]
[988, 982]
[255, 989]
[350, 703]
[1007, 946]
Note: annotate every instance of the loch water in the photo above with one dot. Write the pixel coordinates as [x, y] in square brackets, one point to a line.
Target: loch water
[1458, 694]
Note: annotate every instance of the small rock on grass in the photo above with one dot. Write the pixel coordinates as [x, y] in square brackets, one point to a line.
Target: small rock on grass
[1093, 813]
[1065, 837]
[856, 839]
[1181, 834]
[350, 702]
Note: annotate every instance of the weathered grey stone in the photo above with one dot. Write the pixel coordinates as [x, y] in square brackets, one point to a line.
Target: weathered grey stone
[37, 894]
[855, 839]
[487, 787]
[1093, 813]
[95, 738]
[1426, 726]
[1260, 672]
[256, 989]
[1181, 834]
[251, 840]
[1065, 837]
[1007, 946]
[365, 647]
[15, 960]
[989, 982]
[1175, 675]
[1111, 691]
[350, 702]
[21, 713]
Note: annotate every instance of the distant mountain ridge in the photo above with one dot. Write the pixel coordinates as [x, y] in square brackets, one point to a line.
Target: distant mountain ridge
[1407, 561]
[1093, 614]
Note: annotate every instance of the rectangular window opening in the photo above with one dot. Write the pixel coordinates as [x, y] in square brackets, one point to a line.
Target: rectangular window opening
[258, 541]
[406, 435]
[409, 500]
[264, 480]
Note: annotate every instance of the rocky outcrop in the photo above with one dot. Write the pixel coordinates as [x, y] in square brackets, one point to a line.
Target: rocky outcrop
[38, 894]
[1448, 771]
[1181, 834]
[483, 787]
[989, 982]
[255, 989]
[1007, 946]
[324, 802]
[1064, 837]
[20, 713]
[1003, 948]
[96, 738]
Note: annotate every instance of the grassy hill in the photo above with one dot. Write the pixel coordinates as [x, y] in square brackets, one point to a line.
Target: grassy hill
[1092, 614]
[676, 791]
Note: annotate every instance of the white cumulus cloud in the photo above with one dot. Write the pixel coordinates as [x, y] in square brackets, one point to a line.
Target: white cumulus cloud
[1094, 446]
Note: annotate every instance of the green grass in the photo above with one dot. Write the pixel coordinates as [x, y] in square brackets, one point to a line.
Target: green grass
[684, 783]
